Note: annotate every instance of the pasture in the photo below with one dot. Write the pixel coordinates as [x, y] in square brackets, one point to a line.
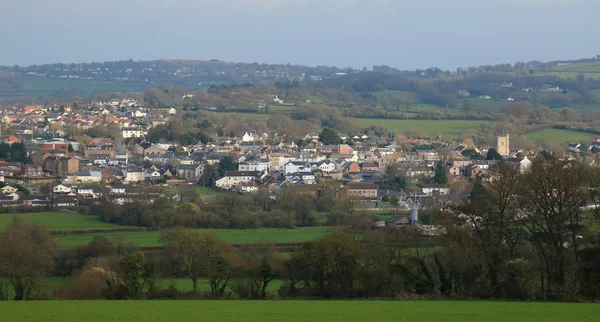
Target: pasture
[404, 311]
[556, 136]
[244, 116]
[46, 87]
[589, 70]
[449, 129]
[58, 220]
[234, 236]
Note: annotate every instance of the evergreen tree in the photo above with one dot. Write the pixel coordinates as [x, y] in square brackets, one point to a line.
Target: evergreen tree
[478, 190]
[441, 175]
[493, 155]
[329, 137]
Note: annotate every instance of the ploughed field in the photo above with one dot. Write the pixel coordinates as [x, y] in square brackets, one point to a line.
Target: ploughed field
[356, 310]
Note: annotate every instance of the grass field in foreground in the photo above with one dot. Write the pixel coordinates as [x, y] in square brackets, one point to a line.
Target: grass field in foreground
[402, 311]
[451, 129]
[234, 236]
[58, 220]
[559, 136]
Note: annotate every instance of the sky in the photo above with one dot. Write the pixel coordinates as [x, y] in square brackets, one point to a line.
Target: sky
[406, 34]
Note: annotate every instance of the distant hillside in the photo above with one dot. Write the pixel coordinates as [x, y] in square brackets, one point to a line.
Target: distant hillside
[438, 88]
[188, 73]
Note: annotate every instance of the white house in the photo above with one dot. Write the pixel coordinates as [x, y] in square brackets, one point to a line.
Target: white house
[430, 189]
[254, 166]
[132, 132]
[134, 174]
[234, 178]
[295, 166]
[84, 177]
[153, 175]
[8, 190]
[172, 111]
[324, 166]
[524, 163]
[300, 178]
[250, 187]
[62, 189]
[248, 137]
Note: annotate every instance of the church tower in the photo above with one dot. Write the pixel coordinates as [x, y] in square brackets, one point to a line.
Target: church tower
[503, 145]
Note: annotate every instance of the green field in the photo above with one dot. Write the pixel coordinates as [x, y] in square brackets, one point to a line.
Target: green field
[46, 87]
[58, 220]
[559, 136]
[234, 236]
[449, 129]
[589, 70]
[587, 108]
[402, 311]
[247, 116]
[492, 105]
[572, 75]
[589, 67]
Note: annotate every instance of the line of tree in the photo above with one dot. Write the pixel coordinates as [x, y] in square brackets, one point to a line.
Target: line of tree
[521, 236]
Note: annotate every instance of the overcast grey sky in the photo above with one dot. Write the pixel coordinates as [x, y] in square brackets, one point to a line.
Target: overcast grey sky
[406, 34]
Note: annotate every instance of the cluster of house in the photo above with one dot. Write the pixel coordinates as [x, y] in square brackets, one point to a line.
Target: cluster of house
[262, 161]
[40, 123]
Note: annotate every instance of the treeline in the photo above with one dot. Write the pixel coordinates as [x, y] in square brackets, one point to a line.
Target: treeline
[290, 208]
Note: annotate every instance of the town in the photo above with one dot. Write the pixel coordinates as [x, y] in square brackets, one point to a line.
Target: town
[63, 165]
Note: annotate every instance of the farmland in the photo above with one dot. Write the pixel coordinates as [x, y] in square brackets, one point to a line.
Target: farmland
[452, 129]
[44, 87]
[234, 236]
[407, 311]
[588, 69]
[58, 220]
[555, 136]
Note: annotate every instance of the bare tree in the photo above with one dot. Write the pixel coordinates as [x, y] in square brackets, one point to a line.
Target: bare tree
[26, 256]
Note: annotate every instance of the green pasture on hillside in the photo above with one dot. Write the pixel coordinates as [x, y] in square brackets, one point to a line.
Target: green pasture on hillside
[234, 236]
[554, 136]
[246, 116]
[449, 129]
[491, 104]
[299, 310]
[58, 220]
[46, 87]
[587, 108]
[589, 67]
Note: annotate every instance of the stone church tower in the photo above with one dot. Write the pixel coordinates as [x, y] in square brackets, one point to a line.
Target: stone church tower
[503, 145]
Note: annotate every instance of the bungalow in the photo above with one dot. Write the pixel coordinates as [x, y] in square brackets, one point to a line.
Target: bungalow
[65, 201]
[35, 201]
[61, 189]
[250, 187]
[300, 178]
[84, 177]
[431, 189]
